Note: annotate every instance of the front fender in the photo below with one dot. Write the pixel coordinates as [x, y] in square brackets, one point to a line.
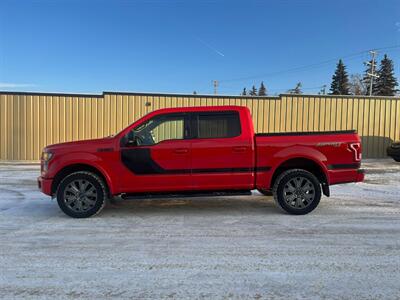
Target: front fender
[80, 158]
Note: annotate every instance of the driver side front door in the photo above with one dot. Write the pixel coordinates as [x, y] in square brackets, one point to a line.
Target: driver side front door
[161, 158]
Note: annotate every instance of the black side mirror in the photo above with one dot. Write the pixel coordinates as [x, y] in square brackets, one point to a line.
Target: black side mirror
[131, 143]
[130, 139]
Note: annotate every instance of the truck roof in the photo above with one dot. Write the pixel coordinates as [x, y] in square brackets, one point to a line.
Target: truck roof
[201, 108]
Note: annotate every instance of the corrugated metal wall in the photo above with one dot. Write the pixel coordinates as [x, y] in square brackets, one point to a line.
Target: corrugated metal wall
[28, 122]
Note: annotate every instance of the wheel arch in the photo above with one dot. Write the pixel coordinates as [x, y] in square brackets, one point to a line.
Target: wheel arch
[307, 164]
[69, 169]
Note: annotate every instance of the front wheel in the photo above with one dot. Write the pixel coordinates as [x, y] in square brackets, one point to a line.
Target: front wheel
[81, 194]
[297, 191]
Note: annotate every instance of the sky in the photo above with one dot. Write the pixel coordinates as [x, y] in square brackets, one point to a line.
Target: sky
[181, 46]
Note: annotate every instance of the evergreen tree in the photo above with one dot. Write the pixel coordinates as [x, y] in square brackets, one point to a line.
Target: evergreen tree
[386, 82]
[296, 90]
[194, 93]
[253, 91]
[244, 93]
[340, 80]
[262, 91]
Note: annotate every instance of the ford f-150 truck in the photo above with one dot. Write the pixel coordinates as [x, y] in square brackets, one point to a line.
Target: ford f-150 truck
[206, 150]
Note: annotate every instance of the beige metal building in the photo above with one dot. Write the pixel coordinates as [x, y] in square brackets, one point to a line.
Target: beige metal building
[30, 121]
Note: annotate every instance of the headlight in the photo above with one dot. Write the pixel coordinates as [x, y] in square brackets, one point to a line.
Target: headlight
[46, 155]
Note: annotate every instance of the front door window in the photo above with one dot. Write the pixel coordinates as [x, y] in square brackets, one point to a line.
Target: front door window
[156, 130]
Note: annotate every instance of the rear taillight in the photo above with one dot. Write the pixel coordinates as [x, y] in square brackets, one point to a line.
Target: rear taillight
[356, 149]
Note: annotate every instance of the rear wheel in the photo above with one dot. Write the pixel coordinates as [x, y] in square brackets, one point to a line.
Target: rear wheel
[297, 191]
[81, 194]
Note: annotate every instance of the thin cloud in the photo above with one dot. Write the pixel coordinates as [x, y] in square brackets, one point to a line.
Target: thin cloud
[211, 47]
[8, 85]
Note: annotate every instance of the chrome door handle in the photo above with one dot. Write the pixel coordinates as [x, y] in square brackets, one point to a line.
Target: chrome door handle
[181, 151]
[239, 149]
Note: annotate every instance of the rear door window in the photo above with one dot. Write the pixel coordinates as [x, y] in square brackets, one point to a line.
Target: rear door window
[217, 125]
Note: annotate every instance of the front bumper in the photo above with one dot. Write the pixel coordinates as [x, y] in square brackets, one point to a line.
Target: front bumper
[44, 184]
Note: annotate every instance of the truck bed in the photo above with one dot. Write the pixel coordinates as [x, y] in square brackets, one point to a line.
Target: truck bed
[307, 133]
[330, 151]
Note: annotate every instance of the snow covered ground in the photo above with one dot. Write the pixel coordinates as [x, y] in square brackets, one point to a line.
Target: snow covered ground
[228, 247]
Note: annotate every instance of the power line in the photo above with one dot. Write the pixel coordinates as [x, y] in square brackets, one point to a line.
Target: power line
[305, 67]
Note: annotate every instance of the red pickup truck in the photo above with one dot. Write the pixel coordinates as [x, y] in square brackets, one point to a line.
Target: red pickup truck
[199, 150]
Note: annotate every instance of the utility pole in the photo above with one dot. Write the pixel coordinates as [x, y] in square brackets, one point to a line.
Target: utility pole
[323, 89]
[372, 75]
[215, 84]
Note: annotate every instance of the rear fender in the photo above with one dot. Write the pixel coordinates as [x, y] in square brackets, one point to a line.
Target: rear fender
[301, 152]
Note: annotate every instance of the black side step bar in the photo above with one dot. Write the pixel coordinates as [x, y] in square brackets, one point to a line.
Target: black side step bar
[185, 194]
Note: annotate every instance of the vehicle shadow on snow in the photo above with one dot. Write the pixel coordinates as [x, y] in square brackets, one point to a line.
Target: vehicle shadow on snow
[197, 205]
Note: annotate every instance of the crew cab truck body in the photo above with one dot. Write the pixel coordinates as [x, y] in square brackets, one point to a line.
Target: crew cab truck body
[199, 150]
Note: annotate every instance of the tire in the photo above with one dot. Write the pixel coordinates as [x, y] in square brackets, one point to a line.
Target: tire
[265, 193]
[297, 191]
[397, 158]
[81, 194]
